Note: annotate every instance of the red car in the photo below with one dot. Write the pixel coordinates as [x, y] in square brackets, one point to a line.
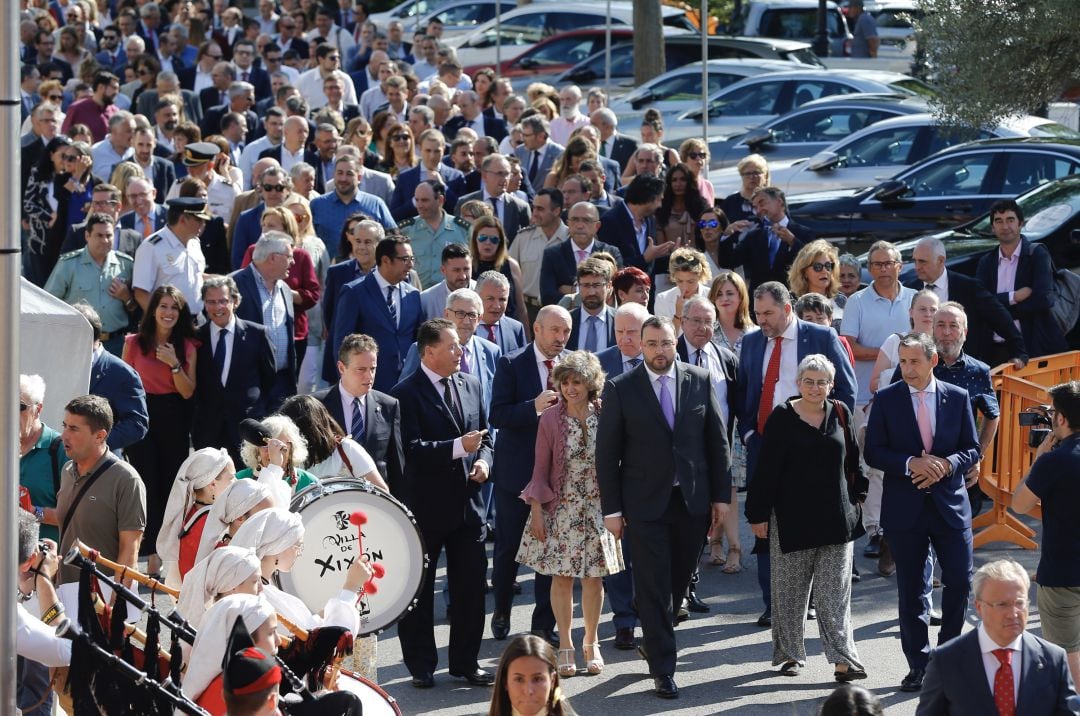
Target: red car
[558, 53]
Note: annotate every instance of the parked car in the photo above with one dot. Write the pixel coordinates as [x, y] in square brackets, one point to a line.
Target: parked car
[941, 192]
[757, 100]
[792, 20]
[880, 151]
[558, 53]
[463, 16]
[408, 12]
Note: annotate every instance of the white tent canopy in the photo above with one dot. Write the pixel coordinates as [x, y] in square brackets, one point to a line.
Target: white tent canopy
[56, 343]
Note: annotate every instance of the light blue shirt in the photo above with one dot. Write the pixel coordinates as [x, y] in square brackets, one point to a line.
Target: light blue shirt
[106, 158]
[274, 312]
[870, 318]
[329, 213]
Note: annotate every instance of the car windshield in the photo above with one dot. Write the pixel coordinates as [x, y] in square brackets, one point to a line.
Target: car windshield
[758, 99]
[805, 56]
[1045, 208]
[797, 24]
[913, 86]
[1053, 129]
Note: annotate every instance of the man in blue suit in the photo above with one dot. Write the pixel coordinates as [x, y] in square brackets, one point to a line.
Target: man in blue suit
[502, 330]
[593, 322]
[117, 382]
[780, 329]
[976, 673]
[366, 232]
[384, 306]
[521, 391]
[432, 144]
[559, 262]
[274, 186]
[447, 454]
[630, 227]
[266, 299]
[921, 435]
[234, 370]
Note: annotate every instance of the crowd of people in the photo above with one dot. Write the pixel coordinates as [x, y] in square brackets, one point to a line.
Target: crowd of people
[518, 321]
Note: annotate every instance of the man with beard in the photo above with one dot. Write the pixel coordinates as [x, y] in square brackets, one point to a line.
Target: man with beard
[432, 231]
[631, 227]
[96, 110]
[558, 272]
[594, 320]
[456, 269]
[570, 116]
[330, 210]
[159, 170]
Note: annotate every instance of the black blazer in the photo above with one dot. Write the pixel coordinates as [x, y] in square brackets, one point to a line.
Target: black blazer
[249, 310]
[516, 213]
[76, 239]
[638, 456]
[437, 486]
[729, 364]
[617, 229]
[559, 267]
[310, 157]
[164, 176]
[219, 409]
[382, 433]
[576, 338]
[211, 123]
[494, 128]
[622, 150]
[751, 251]
[210, 97]
[986, 316]
[1035, 271]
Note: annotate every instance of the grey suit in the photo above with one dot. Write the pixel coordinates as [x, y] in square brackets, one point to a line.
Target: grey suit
[552, 152]
[148, 99]
[378, 183]
[433, 299]
[516, 213]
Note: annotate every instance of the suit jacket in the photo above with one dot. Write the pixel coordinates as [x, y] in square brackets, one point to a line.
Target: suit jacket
[892, 436]
[487, 352]
[729, 365]
[638, 457]
[622, 150]
[382, 433]
[76, 239]
[113, 64]
[552, 152]
[245, 233]
[310, 157]
[259, 79]
[751, 251]
[250, 309]
[1035, 270]
[509, 334]
[127, 220]
[378, 183]
[31, 152]
[401, 201]
[437, 486]
[361, 308]
[812, 339]
[611, 361]
[211, 122]
[220, 408]
[433, 299]
[955, 681]
[516, 213]
[193, 108]
[577, 340]
[617, 229]
[559, 267]
[464, 184]
[494, 128]
[210, 97]
[336, 277]
[117, 382]
[986, 316]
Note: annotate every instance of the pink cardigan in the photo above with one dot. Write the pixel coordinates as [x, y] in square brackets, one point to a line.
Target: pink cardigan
[550, 466]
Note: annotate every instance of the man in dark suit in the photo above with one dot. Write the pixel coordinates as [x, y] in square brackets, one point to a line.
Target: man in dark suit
[159, 170]
[613, 145]
[977, 673]
[514, 213]
[990, 316]
[630, 227]
[234, 370]
[472, 116]
[593, 321]
[559, 266]
[117, 382]
[521, 391]
[662, 465]
[241, 99]
[247, 71]
[1021, 275]
[921, 435]
[384, 306]
[263, 282]
[447, 454]
[767, 251]
[780, 332]
[505, 332]
[371, 417]
[141, 196]
[104, 199]
[44, 126]
[294, 140]
[366, 232]
[432, 144]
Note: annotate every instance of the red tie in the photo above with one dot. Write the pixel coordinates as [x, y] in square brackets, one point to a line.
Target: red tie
[550, 365]
[491, 332]
[1004, 698]
[768, 387]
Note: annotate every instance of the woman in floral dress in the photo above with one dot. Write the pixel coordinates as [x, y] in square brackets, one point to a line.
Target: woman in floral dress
[566, 537]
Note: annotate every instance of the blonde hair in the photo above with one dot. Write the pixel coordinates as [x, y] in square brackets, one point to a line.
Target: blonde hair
[806, 256]
[283, 429]
[287, 219]
[692, 261]
[757, 162]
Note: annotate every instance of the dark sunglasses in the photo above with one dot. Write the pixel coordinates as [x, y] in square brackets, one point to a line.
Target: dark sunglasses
[696, 155]
[23, 407]
[71, 157]
[274, 187]
[484, 238]
[709, 224]
[819, 266]
[400, 138]
[56, 98]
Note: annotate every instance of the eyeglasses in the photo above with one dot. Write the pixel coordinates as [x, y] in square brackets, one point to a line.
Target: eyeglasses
[811, 383]
[709, 224]
[1017, 604]
[23, 407]
[71, 157]
[56, 98]
[400, 138]
[462, 315]
[826, 266]
[274, 187]
[696, 322]
[487, 238]
[104, 203]
[878, 265]
[697, 155]
[406, 259]
[335, 58]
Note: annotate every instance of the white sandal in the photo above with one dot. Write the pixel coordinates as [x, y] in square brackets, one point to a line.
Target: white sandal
[567, 667]
[595, 665]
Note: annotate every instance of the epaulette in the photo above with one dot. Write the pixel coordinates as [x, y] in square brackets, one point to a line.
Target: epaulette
[407, 222]
[463, 224]
[155, 239]
[70, 255]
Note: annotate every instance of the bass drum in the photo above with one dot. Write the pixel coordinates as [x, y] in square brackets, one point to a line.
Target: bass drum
[391, 538]
[376, 701]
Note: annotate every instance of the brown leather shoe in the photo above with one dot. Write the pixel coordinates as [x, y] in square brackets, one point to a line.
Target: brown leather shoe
[886, 567]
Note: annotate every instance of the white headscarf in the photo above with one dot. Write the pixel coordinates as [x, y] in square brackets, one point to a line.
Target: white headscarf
[199, 470]
[223, 570]
[270, 532]
[210, 641]
[231, 505]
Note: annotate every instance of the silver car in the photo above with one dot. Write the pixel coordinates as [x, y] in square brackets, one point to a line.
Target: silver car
[880, 151]
[757, 100]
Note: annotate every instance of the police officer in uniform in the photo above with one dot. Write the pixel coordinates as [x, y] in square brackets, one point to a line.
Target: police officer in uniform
[221, 192]
[173, 254]
[432, 229]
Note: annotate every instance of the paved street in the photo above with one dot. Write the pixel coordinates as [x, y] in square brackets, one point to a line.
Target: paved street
[724, 658]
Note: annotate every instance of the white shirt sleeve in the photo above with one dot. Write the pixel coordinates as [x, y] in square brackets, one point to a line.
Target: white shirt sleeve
[361, 461]
[38, 642]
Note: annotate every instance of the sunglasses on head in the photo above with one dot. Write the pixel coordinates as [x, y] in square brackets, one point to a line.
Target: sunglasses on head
[826, 266]
[709, 224]
[485, 238]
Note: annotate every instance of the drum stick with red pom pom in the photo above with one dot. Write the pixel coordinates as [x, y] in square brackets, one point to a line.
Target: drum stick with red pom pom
[359, 519]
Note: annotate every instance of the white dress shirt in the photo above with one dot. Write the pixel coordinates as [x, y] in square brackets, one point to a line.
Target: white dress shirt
[215, 332]
[347, 399]
[941, 286]
[395, 296]
[991, 663]
[709, 359]
[788, 384]
[436, 382]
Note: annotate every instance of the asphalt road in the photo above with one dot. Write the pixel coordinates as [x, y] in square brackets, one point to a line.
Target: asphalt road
[724, 658]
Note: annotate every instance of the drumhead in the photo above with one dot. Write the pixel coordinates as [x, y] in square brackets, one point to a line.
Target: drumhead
[390, 537]
[376, 701]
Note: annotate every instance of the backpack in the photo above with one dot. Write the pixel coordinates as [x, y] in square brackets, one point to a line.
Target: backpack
[1066, 309]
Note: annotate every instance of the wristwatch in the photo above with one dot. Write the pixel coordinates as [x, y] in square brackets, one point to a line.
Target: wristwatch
[175, 368]
[39, 514]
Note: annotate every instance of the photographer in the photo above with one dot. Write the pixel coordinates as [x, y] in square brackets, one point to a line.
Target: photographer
[38, 644]
[1052, 479]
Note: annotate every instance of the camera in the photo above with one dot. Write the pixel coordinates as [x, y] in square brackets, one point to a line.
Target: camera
[1033, 417]
[43, 546]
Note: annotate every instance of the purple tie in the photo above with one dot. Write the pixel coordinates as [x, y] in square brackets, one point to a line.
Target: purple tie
[667, 406]
[464, 363]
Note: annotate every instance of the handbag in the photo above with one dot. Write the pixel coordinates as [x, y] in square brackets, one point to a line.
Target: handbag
[851, 472]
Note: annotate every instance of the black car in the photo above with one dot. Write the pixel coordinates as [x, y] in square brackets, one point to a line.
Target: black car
[943, 191]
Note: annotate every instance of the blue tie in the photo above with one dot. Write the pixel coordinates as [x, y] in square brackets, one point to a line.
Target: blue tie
[390, 304]
[774, 240]
[590, 334]
[219, 354]
[357, 420]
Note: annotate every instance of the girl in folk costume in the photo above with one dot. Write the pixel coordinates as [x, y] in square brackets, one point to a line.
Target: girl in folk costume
[241, 500]
[202, 476]
[224, 572]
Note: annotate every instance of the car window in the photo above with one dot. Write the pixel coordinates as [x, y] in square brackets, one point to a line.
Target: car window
[897, 19]
[943, 137]
[564, 51]
[466, 15]
[523, 30]
[1053, 129]
[756, 99]
[913, 87]
[825, 125]
[890, 147]
[687, 86]
[796, 24]
[562, 21]
[806, 90]
[951, 176]
[1025, 170]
